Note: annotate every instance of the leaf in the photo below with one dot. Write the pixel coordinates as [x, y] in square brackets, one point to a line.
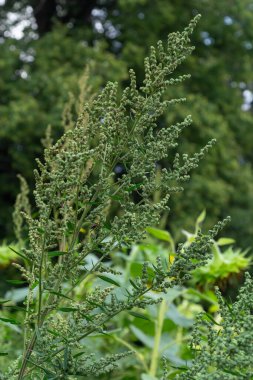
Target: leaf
[16, 282]
[147, 340]
[138, 315]
[66, 358]
[67, 309]
[211, 319]
[53, 332]
[231, 372]
[19, 254]
[201, 217]
[9, 320]
[59, 294]
[34, 285]
[15, 307]
[134, 187]
[225, 241]
[159, 234]
[4, 301]
[108, 279]
[203, 296]
[56, 253]
[3, 353]
[133, 284]
[145, 376]
[40, 230]
[79, 354]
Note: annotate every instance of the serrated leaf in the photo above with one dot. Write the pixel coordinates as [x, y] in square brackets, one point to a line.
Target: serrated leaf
[159, 234]
[56, 253]
[138, 315]
[110, 280]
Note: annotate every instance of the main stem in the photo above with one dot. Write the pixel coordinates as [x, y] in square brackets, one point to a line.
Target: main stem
[158, 334]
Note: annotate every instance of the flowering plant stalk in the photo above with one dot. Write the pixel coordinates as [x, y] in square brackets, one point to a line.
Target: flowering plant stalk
[110, 129]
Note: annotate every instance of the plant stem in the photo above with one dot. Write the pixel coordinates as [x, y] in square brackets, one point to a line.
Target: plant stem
[158, 333]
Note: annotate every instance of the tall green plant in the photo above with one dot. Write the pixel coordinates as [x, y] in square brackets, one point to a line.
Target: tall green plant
[111, 129]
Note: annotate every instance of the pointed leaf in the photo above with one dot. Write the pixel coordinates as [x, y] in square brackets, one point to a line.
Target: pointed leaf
[19, 254]
[59, 294]
[225, 241]
[201, 217]
[139, 315]
[56, 253]
[109, 279]
[16, 282]
[67, 309]
[159, 234]
[9, 320]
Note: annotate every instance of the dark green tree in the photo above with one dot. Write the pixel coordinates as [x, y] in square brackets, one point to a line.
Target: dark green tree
[61, 36]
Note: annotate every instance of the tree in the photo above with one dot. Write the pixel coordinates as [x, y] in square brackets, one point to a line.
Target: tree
[216, 89]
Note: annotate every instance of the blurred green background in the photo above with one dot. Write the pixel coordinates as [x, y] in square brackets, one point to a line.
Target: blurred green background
[45, 46]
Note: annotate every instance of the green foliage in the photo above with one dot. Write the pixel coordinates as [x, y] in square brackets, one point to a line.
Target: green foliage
[108, 130]
[111, 34]
[165, 329]
[224, 348]
[73, 233]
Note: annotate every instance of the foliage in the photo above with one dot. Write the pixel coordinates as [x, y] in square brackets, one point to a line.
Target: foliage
[164, 329]
[224, 349]
[39, 69]
[109, 129]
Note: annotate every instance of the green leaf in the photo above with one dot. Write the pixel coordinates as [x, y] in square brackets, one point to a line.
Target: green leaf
[138, 315]
[79, 354]
[13, 307]
[211, 319]
[59, 294]
[159, 234]
[3, 353]
[4, 301]
[9, 320]
[108, 279]
[201, 217]
[147, 340]
[225, 241]
[232, 372]
[56, 253]
[34, 285]
[145, 376]
[19, 254]
[134, 187]
[67, 309]
[16, 282]
[133, 284]
[53, 332]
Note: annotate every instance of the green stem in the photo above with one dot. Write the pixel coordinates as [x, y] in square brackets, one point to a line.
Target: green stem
[158, 333]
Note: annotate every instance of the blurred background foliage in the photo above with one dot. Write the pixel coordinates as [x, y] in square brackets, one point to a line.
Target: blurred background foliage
[45, 45]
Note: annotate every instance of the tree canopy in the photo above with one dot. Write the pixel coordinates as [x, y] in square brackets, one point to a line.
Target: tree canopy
[45, 46]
